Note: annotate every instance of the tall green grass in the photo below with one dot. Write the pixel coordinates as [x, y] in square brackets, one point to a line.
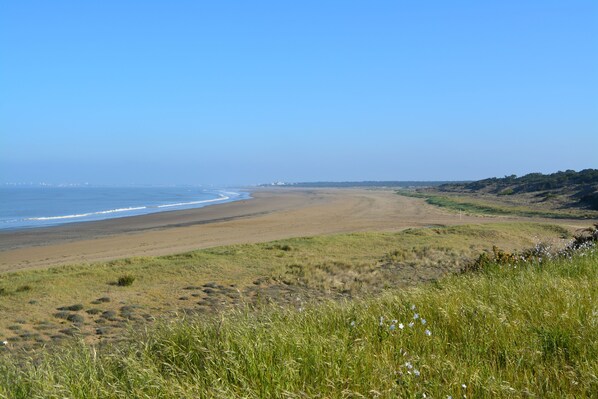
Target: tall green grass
[527, 330]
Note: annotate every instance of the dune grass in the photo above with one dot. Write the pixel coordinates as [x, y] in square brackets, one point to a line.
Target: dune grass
[350, 264]
[476, 206]
[524, 330]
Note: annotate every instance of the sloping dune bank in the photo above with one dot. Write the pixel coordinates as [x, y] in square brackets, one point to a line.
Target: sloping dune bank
[272, 214]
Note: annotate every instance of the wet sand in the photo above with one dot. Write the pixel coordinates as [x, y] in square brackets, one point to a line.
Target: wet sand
[272, 214]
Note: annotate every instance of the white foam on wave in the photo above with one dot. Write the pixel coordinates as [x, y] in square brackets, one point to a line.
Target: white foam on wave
[231, 193]
[82, 215]
[221, 198]
[136, 208]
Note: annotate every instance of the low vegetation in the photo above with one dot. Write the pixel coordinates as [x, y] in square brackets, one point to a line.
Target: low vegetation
[126, 280]
[491, 207]
[581, 187]
[568, 195]
[290, 272]
[517, 326]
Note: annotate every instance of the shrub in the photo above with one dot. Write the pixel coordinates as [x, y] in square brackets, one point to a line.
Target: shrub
[508, 191]
[125, 280]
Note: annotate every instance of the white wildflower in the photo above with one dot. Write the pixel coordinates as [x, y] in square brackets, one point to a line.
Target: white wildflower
[353, 323]
[428, 332]
[412, 307]
[401, 326]
[411, 324]
[416, 316]
[416, 372]
[408, 365]
[424, 321]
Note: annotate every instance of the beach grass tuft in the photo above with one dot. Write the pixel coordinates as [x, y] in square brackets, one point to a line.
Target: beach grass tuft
[125, 280]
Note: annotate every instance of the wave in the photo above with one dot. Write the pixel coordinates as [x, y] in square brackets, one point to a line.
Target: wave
[221, 198]
[82, 215]
[136, 208]
[129, 209]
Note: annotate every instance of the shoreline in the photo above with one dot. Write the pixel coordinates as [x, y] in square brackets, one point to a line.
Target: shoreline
[270, 215]
[101, 227]
[123, 210]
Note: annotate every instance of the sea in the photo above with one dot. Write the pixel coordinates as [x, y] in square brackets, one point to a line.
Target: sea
[41, 206]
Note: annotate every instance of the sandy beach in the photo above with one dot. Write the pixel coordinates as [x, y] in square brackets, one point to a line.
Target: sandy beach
[272, 214]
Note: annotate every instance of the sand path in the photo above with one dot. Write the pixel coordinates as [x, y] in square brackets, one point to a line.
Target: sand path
[272, 214]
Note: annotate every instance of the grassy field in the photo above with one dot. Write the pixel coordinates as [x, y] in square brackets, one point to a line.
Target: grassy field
[42, 307]
[496, 205]
[519, 330]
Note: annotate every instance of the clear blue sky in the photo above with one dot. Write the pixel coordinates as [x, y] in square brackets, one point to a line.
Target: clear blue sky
[241, 92]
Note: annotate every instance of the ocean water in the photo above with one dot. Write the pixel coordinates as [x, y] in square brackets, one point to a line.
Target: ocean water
[28, 207]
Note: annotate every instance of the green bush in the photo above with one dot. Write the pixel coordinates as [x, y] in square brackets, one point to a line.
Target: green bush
[125, 280]
[508, 191]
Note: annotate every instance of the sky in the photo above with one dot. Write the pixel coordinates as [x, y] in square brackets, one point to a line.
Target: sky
[247, 92]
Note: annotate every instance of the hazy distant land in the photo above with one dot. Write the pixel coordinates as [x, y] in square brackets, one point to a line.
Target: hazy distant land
[360, 184]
